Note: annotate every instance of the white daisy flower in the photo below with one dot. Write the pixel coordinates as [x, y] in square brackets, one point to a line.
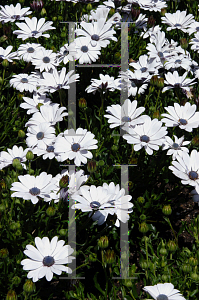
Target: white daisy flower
[185, 116]
[150, 135]
[84, 51]
[34, 188]
[56, 80]
[125, 115]
[47, 153]
[40, 136]
[193, 27]
[32, 28]
[187, 168]
[44, 60]
[99, 33]
[47, 258]
[75, 145]
[195, 42]
[175, 148]
[180, 61]
[33, 104]
[176, 81]
[27, 51]
[12, 13]
[137, 81]
[164, 291]
[105, 83]
[48, 114]
[24, 82]
[178, 20]
[148, 32]
[64, 54]
[6, 54]
[146, 64]
[75, 180]
[120, 204]
[152, 5]
[6, 158]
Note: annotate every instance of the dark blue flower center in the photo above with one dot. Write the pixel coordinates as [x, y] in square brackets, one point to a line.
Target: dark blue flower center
[40, 135]
[34, 191]
[65, 52]
[178, 25]
[48, 261]
[16, 17]
[34, 32]
[75, 147]
[95, 204]
[183, 121]
[144, 138]
[30, 50]
[162, 297]
[46, 59]
[144, 69]
[160, 54]
[24, 80]
[50, 149]
[175, 146]
[95, 37]
[126, 119]
[193, 175]
[84, 49]
[178, 61]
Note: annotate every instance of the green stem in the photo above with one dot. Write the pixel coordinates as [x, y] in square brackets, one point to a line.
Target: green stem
[131, 293]
[157, 100]
[177, 95]
[147, 257]
[168, 221]
[85, 115]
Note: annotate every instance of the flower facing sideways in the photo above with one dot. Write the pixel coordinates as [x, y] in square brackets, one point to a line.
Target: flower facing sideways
[163, 291]
[175, 148]
[47, 258]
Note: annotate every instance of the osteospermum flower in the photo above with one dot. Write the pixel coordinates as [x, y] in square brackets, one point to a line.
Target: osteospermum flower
[178, 20]
[195, 42]
[185, 116]
[125, 115]
[28, 50]
[48, 114]
[105, 83]
[73, 180]
[34, 188]
[40, 136]
[24, 82]
[99, 33]
[175, 148]
[47, 258]
[6, 158]
[75, 145]
[187, 168]
[12, 13]
[33, 28]
[176, 81]
[64, 54]
[6, 54]
[150, 135]
[152, 5]
[56, 80]
[180, 61]
[44, 60]
[146, 65]
[84, 51]
[164, 291]
[33, 104]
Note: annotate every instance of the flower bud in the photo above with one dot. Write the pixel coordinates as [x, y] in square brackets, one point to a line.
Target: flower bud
[132, 270]
[112, 12]
[43, 12]
[93, 257]
[114, 148]
[21, 134]
[156, 114]
[194, 276]
[171, 245]
[17, 164]
[163, 12]
[4, 253]
[64, 182]
[11, 295]
[60, 18]
[145, 265]
[165, 277]
[89, 6]
[128, 283]
[151, 21]
[186, 268]
[142, 217]
[160, 83]
[15, 226]
[195, 140]
[135, 13]
[54, 19]
[117, 56]
[16, 280]
[3, 38]
[5, 63]
[51, 211]
[82, 103]
[2, 208]
[29, 155]
[63, 34]
[29, 286]
[154, 80]
[145, 239]
[63, 231]
[103, 242]
[184, 43]
[143, 227]
[109, 257]
[100, 163]
[193, 261]
[167, 210]
[141, 200]
[163, 251]
[92, 166]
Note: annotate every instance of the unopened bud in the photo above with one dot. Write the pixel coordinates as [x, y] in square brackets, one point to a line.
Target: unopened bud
[186, 268]
[143, 227]
[51, 211]
[163, 12]
[82, 103]
[5, 63]
[4, 253]
[109, 256]
[171, 245]
[103, 242]
[64, 181]
[93, 257]
[184, 43]
[154, 80]
[21, 134]
[17, 164]
[63, 232]
[141, 200]
[194, 276]
[165, 277]
[92, 166]
[100, 163]
[195, 140]
[151, 21]
[163, 251]
[193, 261]
[156, 114]
[29, 286]
[89, 6]
[167, 210]
[16, 280]
[11, 295]
[43, 12]
[160, 83]
[29, 155]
